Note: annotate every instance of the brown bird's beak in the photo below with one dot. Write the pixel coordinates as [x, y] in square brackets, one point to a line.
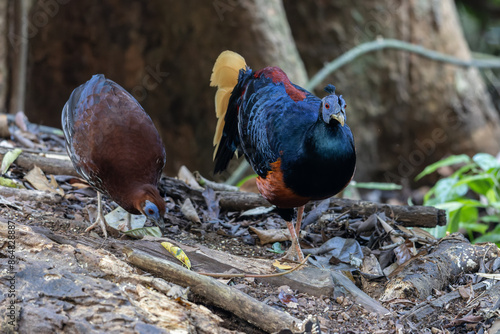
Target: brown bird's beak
[339, 117]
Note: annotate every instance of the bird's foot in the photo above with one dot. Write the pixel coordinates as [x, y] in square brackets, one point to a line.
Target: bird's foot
[126, 225]
[294, 253]
[99, 221]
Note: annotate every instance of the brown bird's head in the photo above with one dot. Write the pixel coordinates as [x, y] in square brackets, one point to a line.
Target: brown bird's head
[151, 204]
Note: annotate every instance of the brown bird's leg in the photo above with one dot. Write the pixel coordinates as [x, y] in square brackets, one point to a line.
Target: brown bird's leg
[100, 218]
[300, 213]
[127, 224]
[294, 252]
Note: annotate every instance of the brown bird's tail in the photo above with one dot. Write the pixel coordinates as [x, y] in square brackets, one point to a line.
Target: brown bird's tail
[225, 77]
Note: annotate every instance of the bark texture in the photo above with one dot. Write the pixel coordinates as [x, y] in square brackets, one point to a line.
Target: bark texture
[163, 53]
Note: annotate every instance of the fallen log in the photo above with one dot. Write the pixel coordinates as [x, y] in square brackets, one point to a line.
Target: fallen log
[30, 195]
[75, 289]
[410, 216]
[48, 165]
[453, 255]
[261, 315]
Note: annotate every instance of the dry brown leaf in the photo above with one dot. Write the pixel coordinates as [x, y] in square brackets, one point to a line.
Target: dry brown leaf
[39, 181]
[189, 211]
[271, 236]
[466, 292]
[371, 266]
[185, 175]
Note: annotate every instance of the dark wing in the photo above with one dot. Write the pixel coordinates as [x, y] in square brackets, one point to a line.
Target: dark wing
[273, 123]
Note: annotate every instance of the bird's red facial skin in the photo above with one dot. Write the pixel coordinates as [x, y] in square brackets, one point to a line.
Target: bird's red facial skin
[273, 189]
[278, 76]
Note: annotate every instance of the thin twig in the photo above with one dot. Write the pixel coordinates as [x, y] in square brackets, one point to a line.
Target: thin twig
[238, 173]
[380, 44]
[257, 275]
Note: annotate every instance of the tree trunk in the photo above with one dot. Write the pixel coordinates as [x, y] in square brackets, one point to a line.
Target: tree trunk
[4, 71]
[405, 111]
[163, 53]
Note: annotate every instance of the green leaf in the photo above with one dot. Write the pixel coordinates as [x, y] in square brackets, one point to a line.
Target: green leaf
[444, 191]
[464, 169]
[452, 160]
[245, 179]
[449, 206]
[437, 232]
[8, 159]
[276, 248]
[454, 221]
[6, 182]
[474, 227]
[492, 196]
[471, 202]
[491, 219]
[489, 237]
[139, 233]
[486, 161]
[376, 185]
[468, 215]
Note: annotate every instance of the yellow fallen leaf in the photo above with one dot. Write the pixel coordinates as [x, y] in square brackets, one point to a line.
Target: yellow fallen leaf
[278, 265]
[9, 183]
[178, 253]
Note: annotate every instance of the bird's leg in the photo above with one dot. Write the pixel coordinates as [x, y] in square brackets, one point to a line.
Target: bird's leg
[100, 218]
[129, 221]
[300, 213]
[294, 252]
[127, 224]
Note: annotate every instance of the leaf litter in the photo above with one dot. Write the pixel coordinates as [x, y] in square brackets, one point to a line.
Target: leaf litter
[366, 246]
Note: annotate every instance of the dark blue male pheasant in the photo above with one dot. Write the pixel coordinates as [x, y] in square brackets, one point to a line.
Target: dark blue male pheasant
[297, 143]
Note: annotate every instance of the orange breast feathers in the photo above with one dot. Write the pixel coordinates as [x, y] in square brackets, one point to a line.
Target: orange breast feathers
[274, 189]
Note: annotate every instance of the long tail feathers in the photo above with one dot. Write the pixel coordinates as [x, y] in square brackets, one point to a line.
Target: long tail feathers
[224, 76]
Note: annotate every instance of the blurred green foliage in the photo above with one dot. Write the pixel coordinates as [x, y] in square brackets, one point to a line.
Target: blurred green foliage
[470, 196]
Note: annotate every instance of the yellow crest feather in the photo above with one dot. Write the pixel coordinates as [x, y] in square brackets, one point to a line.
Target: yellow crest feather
[224, 76]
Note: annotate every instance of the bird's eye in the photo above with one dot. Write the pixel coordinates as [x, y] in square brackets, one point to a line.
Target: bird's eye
[151, 211]
[327, 106]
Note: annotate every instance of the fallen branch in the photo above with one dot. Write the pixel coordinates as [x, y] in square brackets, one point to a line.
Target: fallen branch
[30, 195]
[425, 309]
[411, 216]
[346, 286]
[380, 44]
[48, 165]
[257, 275]
[261, 315]
[229, 200]
[453, 256]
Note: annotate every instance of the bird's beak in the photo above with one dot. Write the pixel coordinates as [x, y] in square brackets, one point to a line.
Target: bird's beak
[339, 117]
[161, 224]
